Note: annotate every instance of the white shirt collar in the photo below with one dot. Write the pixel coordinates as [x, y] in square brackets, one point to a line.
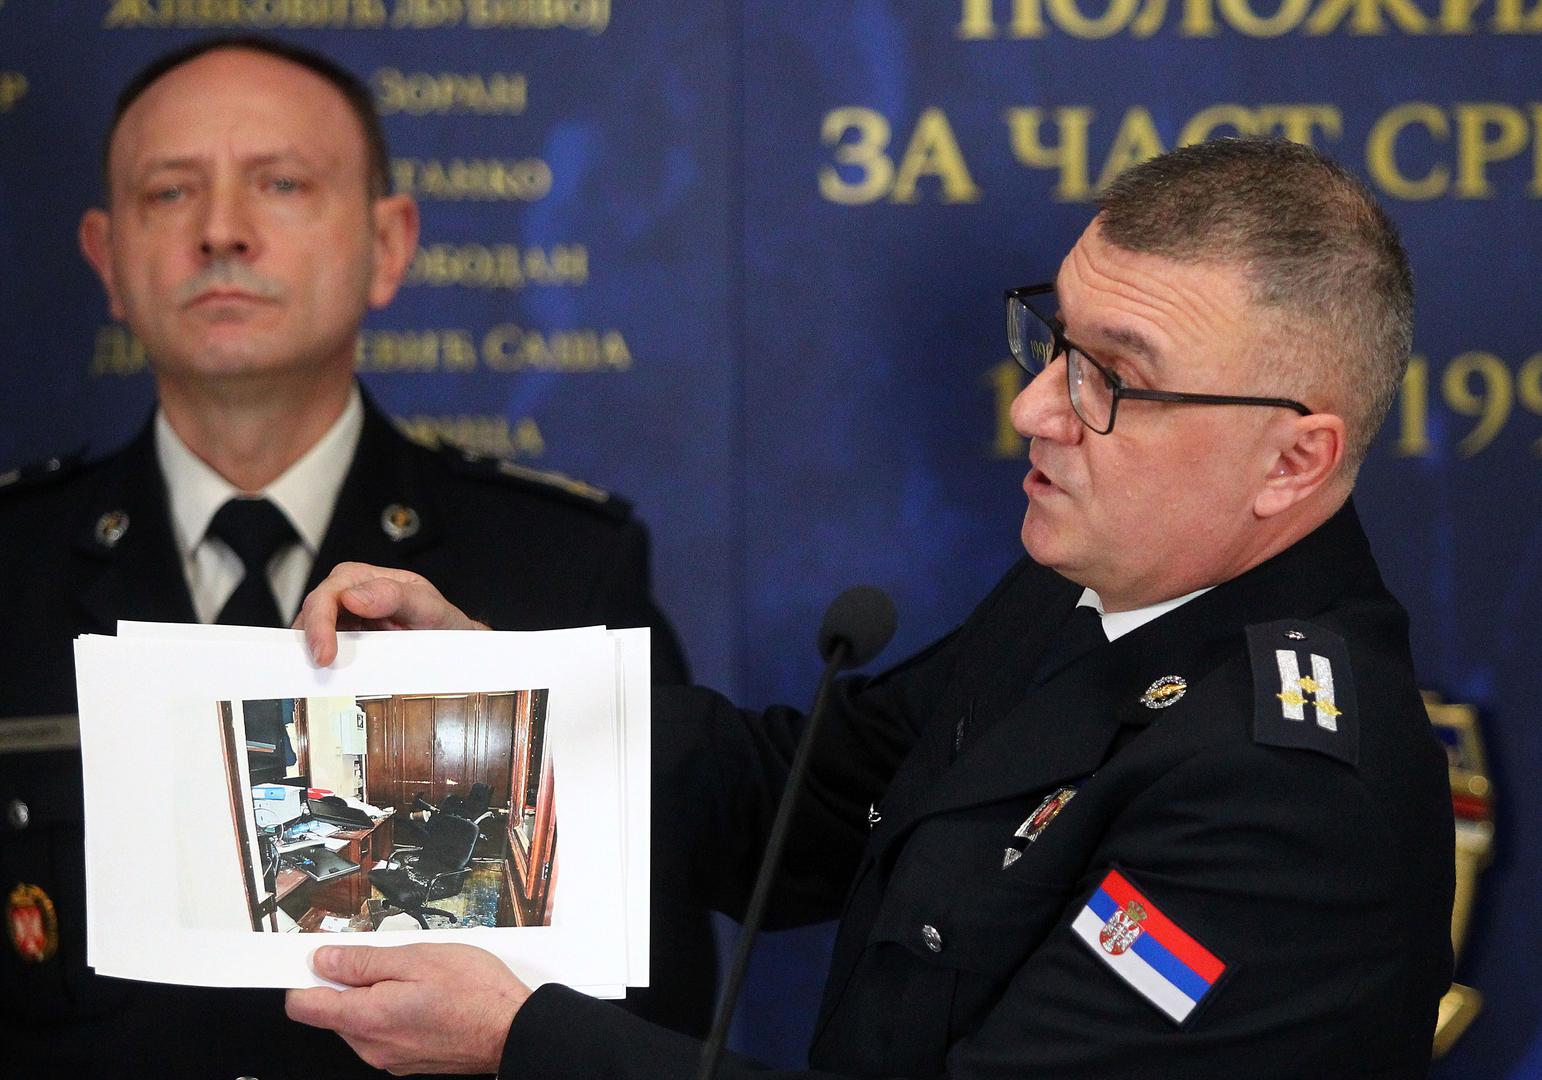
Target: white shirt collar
[1116, 624]
[306, 492]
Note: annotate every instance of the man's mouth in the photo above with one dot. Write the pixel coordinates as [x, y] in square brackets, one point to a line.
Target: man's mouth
[1037, 483]
[226, 296]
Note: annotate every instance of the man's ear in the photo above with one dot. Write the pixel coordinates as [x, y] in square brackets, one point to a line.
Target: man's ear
[96, 245]
[396, 241]
[1308, 452]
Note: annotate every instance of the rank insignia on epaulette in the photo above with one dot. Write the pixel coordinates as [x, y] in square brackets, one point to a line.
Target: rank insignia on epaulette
[31, 924]
[1304, 691]
[556, 480]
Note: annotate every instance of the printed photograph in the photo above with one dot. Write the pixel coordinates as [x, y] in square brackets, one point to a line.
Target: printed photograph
[392, 812]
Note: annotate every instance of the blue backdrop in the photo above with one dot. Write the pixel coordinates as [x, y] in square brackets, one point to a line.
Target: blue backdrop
[743, 263]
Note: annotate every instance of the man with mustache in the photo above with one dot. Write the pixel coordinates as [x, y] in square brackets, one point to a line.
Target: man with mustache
[248, 228]
[1167, 805]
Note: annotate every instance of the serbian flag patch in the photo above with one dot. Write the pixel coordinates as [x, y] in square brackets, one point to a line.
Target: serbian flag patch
[1146, 949]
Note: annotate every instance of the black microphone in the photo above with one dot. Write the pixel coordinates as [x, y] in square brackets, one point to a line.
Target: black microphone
[862, 618]
[856, 627]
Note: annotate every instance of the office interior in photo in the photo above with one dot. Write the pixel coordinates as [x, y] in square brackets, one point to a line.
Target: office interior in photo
[371, 813]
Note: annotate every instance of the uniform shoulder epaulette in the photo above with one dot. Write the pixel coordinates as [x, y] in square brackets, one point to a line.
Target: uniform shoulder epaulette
[40, 473]
[548, 483]
[1303, 689]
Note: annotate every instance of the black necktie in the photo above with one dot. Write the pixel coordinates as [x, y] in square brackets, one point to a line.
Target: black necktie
[256, 530]
[1078, 635]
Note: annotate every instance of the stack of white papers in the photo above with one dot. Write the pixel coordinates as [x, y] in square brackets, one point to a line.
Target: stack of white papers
[191, 860]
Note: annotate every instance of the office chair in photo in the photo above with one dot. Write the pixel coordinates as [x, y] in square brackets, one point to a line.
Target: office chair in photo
[410, 833]
[472, 806]
[434, 871]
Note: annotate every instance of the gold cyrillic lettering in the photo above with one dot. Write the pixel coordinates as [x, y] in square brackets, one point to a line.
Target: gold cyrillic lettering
[1365, 17]
[421, 93]
[1067, 15]
[427, 14]
[933, 151]
[1511, 17]
[408, 351]
[866, 154]
[976, 22]
[488, 435]
[1027, 19]
[492, 179]
[259, 14]
[1069, 155]
[1297, 122]
[1239, 14]
[1149, 21]
[498, 266]
[590, 15]
[1198, 19]
[1535, 188]
[508, 347]
[1475, 151]
[1136, 141]
[1381, 151]
[1456, 16]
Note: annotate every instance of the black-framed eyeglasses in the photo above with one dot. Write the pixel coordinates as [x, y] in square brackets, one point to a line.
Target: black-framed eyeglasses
[1037, 340]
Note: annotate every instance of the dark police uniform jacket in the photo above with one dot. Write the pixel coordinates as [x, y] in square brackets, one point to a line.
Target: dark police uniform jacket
[1291, 878]
[510, 547]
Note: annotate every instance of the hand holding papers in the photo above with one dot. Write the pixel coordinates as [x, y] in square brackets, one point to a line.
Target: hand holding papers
[357, 596]
[178, 727]
[417, 1009]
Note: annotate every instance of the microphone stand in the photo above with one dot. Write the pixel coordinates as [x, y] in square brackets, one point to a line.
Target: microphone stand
[712, 1049]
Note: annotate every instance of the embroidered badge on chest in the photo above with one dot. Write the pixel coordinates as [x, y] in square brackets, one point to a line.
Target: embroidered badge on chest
[1150, 952]
[1165, 692]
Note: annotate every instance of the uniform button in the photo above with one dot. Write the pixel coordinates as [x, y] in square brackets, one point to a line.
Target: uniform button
[932, 938]
[17, 815]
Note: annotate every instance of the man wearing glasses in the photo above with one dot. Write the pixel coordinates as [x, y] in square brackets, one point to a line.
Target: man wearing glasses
[1167, 804]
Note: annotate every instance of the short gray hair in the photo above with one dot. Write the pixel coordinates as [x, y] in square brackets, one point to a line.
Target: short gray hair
[1313, 246]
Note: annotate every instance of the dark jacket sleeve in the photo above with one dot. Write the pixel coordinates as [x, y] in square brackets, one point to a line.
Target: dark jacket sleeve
[719, 774]
[1303, 937]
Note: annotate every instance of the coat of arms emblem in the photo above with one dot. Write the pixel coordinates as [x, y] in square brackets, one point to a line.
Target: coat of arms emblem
[1122, 928]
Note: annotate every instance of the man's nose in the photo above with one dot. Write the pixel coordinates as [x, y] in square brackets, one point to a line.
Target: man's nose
[1043, 409]
[227, 228]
